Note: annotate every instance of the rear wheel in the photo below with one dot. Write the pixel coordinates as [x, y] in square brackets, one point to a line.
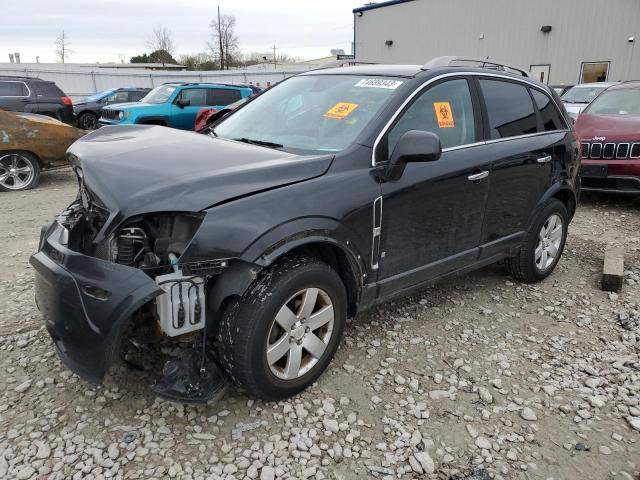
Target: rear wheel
[543, 245]
[18, 171]
[280, 337]
[88, 121]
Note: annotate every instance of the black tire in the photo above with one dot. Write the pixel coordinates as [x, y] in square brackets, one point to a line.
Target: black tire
[523, 266]
[23, 160]
[88, 121]
[247, 324]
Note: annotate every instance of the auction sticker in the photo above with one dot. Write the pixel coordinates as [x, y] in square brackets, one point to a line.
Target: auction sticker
[444, 115]
[340, 110]
[378, 83]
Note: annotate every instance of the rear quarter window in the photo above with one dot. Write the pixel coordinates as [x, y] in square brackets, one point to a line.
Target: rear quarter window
[48, 89]
[13, 89]
[509, 108]
[550, 116]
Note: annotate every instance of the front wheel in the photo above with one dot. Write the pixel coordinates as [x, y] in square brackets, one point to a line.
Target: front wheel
[18, 171]
[282, 334]
[543, 245]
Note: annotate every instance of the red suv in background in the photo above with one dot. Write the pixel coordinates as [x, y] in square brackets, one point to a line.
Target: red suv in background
[609, 131]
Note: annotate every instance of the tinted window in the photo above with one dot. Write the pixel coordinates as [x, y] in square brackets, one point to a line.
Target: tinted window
[549, 114]
[509, 107]
[445, 109]
[223, 96]
[13, 89]
[118, 97]
[197, 96]
[48, 89]
[136, 96]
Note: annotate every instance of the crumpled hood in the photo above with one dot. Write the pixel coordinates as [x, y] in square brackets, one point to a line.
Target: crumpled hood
[612, 128]
[136, 169]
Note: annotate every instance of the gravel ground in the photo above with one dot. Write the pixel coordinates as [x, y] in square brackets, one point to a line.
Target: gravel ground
[477, 374]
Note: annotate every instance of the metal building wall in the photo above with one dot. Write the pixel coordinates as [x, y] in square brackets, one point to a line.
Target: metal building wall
[582, 31]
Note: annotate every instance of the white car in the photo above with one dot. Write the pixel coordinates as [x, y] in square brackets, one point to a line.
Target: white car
[577, 98]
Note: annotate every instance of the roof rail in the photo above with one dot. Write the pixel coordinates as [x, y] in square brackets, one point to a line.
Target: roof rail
[453, 61]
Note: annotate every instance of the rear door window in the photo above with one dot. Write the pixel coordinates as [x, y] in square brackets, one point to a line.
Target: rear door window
[197, 96]
[509, 108]
[550, 117]
[13, 89]
[223, 96]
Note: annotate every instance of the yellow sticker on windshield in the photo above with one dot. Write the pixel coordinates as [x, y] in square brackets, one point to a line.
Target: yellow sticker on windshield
[444, 114]
[341, 110]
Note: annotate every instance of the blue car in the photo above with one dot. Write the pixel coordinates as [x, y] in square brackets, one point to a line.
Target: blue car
[174, 104]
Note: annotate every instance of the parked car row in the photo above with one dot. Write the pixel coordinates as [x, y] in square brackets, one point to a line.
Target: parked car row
[175, 104]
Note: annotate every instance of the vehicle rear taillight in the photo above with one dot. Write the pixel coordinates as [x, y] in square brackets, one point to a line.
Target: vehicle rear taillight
[66, 101]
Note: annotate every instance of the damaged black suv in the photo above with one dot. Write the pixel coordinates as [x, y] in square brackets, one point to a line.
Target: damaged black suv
[327, 194]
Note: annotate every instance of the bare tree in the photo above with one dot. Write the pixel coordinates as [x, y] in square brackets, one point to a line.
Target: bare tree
[161, 39]
[62, 47]
[224, 42]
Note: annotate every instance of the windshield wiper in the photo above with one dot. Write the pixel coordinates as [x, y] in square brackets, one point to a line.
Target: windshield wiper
[262, 143]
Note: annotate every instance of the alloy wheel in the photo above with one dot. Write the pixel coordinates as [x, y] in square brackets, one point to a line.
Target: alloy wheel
[300, 333]
[16, 171]
[549, 240]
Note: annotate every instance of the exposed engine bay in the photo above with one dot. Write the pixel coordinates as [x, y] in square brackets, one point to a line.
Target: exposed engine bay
[154, 243]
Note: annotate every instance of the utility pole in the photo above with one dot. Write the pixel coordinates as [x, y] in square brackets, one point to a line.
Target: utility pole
[220, 40]
[275, 60]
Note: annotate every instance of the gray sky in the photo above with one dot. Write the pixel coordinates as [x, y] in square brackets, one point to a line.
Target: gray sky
[100, 30]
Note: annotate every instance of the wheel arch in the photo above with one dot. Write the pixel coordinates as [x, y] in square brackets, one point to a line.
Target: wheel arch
[234, 281]
[334, 253]
[564, 192]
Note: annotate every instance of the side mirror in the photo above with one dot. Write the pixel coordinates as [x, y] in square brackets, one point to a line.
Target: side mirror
[413, 146]
[183, 103]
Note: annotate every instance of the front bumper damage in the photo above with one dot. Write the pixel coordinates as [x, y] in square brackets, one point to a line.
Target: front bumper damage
[87, 304]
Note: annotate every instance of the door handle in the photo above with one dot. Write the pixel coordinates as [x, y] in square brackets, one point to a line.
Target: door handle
[478, 176]
[546, 159]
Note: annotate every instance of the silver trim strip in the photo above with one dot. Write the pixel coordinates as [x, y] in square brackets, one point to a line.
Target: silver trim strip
[462, 74]
[376, 231]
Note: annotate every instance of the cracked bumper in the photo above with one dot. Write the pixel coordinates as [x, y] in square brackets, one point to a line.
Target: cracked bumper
[85, 329]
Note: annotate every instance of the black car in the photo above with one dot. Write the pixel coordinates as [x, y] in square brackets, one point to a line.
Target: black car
[330, 193]
[88, 110]
[33, 95]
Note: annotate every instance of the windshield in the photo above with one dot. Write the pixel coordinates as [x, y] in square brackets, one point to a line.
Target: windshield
[159, 94]
[99, 95]
[582, 94]
[316, 112]
[616, 102]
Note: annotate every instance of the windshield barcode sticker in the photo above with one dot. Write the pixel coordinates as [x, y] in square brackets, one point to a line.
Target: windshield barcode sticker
[378, 83]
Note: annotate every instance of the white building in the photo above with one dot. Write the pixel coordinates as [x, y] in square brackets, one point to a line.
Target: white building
[560, 41]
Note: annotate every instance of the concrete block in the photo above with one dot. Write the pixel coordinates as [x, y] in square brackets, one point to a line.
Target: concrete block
[613, 269]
